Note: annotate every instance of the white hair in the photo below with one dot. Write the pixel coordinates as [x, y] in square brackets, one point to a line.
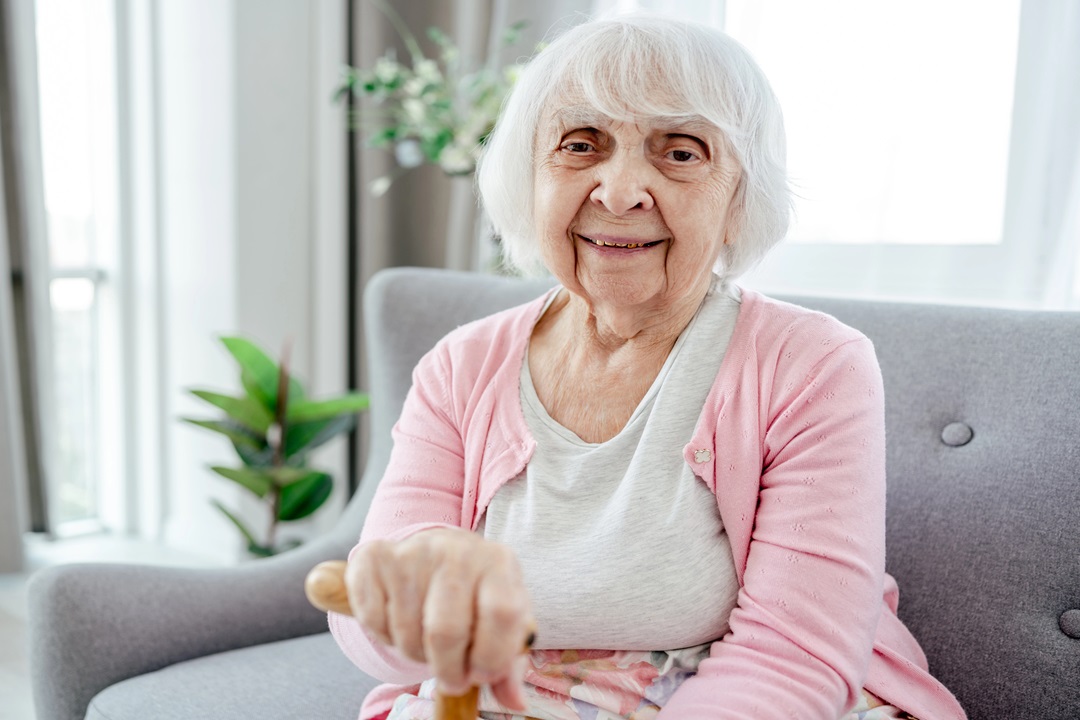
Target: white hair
[634, 67]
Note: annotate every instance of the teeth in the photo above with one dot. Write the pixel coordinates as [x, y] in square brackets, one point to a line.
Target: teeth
[628, 246]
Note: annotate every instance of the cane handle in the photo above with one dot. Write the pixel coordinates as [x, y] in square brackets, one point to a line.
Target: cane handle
[325, 589]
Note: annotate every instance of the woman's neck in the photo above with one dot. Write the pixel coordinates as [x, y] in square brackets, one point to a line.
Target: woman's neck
[612, 328]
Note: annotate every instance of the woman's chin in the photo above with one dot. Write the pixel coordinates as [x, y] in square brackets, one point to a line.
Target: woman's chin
[620, 289]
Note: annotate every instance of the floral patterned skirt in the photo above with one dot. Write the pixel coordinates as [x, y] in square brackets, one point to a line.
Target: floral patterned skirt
[603, 685]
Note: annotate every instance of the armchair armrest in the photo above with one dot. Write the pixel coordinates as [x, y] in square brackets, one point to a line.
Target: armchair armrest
[93, 625]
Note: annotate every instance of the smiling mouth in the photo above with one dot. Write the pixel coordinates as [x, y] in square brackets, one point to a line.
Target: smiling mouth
[624, 246]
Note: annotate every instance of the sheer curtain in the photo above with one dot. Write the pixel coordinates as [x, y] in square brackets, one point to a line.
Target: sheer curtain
[12, 458]
[23, 300]
[1053, 32]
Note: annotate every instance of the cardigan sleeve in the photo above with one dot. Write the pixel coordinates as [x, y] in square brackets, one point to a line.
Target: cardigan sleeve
[421, 489]
[803, 629]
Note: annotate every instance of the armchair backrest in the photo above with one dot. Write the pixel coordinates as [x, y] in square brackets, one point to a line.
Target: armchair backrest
[407, 311]
[983, 528]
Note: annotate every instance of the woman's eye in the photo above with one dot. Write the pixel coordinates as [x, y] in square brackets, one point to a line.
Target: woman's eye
[682, 156]
[578, 147]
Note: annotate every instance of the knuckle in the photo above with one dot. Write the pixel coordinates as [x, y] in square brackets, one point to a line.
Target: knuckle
[373, 552]
[445, 636]
[502, 613]
[502, 554]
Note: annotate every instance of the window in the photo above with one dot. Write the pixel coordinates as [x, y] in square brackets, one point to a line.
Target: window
[897, 115]
[933, 145]
[76, 71]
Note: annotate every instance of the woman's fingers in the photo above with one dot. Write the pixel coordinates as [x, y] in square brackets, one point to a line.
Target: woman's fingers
[502, 610]
[510, 691]
[407, 576]
[448, 598]
[367, 596]
[449, 620]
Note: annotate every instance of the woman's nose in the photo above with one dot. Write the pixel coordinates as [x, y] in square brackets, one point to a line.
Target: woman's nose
[623, 185]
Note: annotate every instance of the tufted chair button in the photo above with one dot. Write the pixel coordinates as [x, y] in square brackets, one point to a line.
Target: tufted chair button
[957, 434]
[1070, 623]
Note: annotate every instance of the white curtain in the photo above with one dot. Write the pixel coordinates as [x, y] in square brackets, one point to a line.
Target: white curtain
[1057, 92]
[24, 313]
[22, 268]
[12, 460]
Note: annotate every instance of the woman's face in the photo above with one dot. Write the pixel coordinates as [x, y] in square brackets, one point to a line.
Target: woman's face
[632, 213]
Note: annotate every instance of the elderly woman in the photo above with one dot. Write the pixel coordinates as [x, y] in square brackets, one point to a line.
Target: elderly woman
[681, 481]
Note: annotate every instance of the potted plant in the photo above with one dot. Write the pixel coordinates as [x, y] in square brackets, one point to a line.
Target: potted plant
[274, 426]
[430, 110]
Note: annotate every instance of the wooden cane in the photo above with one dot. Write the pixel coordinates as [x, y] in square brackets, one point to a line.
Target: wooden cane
[325, 588]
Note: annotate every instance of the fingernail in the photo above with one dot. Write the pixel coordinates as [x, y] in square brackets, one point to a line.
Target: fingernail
[452, 689]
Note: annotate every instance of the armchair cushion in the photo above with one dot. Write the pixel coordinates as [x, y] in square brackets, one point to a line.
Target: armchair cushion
[244, 683]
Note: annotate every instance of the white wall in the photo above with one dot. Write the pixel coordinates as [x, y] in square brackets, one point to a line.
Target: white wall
[246, 239]
[198, 225]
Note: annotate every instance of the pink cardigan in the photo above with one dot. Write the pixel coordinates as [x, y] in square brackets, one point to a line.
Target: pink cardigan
[791, 440]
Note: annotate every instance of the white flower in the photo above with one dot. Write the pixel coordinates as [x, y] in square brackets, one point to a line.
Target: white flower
[408, 154]
[387, 70]
[379, 186]
[415, 110]
[456, 160]
[427, 70]
[414, 86]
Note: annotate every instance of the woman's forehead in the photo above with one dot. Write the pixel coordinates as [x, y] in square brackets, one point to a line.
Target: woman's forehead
[568, 116]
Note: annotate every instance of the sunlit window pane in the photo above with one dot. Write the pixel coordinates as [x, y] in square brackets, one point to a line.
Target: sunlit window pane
[74, 375]
[75, 74]
[898, 114]
[65, 61]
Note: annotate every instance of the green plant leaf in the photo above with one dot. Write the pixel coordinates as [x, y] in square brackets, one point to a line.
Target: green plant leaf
[308, 410]
[257, 482]
[245, 410]
[252, 458]
[240, 435]
[282, 476]
[306, 436]
[433, 145]
[236, 521]
[304, 496]
[262, 551]
[512, 34]
[440, 38]
[258, 373]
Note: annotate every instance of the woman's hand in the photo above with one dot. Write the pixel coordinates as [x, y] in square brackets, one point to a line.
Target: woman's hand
[451, 599]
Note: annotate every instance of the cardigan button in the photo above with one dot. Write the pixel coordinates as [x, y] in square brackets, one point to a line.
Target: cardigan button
[1070, 623]
[957, 434]
[702, 456]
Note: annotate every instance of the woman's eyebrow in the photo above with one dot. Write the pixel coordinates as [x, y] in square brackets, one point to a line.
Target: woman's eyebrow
[578, 116]
[696, 126]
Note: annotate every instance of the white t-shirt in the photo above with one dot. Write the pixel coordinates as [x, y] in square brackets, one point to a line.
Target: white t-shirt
[621, 545]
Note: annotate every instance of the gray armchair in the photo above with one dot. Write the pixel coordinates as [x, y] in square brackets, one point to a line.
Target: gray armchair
[983, 415]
